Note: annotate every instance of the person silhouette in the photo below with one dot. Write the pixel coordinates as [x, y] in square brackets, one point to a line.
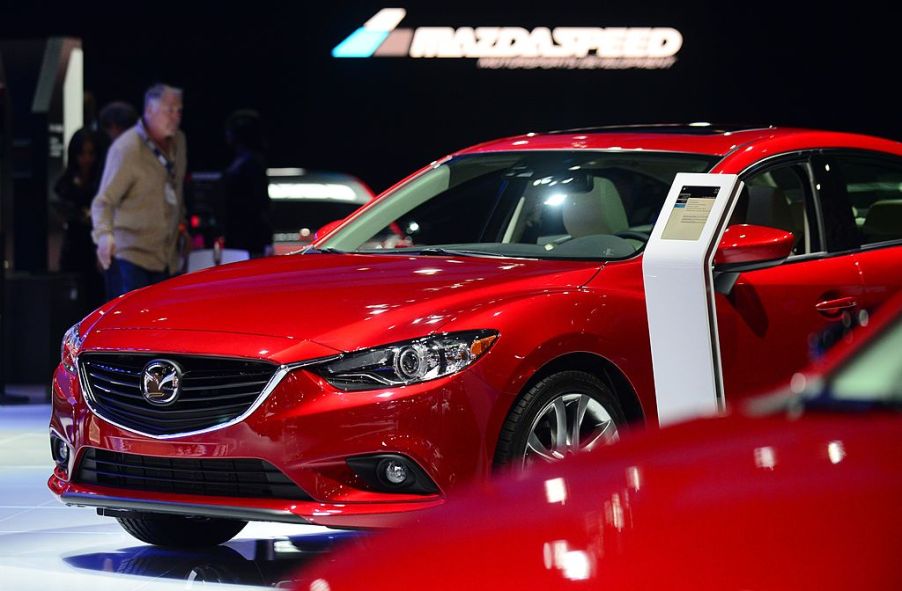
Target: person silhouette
[245, 186]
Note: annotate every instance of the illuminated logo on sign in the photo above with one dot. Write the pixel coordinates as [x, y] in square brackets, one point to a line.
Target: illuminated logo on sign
[610, 48]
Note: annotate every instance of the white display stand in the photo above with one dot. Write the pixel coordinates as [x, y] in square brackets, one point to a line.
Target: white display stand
[679, 296]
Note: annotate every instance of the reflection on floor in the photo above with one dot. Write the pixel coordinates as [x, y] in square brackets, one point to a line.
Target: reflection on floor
[44, 544]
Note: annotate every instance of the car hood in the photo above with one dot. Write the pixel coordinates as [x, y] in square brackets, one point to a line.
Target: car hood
[718, 504]
[292, 308]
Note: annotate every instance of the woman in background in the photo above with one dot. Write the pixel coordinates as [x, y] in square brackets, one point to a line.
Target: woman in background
[76, 188]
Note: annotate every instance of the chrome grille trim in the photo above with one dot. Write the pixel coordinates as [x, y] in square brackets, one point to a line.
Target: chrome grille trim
[276, 378]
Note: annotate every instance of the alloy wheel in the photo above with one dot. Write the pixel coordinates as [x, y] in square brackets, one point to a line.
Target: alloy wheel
[568, 424]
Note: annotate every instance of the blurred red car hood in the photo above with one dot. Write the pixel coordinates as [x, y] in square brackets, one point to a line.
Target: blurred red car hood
[718, 504]
[297, 307]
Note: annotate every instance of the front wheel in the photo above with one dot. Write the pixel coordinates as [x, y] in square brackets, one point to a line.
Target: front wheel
[563, 414]
[180, 531]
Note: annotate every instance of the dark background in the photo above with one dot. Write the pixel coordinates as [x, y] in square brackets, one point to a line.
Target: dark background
[817, 65]
[813, 65]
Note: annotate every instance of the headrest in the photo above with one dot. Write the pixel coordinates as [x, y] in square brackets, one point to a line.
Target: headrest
[884, 220]
[598, 211]
[768, 206]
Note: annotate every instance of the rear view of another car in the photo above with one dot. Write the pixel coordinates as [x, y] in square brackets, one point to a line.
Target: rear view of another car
[303, 201]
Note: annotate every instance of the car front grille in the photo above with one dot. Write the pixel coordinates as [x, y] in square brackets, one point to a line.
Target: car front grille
[220, 477]
[213, 391]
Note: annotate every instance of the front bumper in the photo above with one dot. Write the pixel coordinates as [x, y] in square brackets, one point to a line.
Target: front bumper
[307, 430]
[339, 515]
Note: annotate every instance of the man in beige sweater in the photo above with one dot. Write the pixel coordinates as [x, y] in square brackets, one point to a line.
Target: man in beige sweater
[140, 204]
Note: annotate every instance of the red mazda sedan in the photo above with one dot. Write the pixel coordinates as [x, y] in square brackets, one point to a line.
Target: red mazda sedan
[352, 385]
[804, 498]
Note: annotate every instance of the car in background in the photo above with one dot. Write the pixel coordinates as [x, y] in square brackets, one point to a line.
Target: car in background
[355, 385]
[301, 202]
[800, 492]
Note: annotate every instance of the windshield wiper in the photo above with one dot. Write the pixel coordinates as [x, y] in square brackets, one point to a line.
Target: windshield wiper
[453, 252]
[326, 250]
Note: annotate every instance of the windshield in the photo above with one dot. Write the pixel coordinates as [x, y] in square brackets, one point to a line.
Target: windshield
[873, 376]
[561, 204]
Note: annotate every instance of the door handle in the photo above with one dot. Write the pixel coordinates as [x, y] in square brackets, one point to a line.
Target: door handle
[834, 307]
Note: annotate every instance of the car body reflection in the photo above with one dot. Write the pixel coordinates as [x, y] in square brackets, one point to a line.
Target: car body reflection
[261, 562]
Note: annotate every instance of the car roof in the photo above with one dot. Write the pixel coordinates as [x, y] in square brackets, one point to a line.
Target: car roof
[744, 142]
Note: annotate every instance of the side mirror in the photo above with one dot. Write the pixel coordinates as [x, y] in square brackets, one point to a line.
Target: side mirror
[745, 247]
[327, 229]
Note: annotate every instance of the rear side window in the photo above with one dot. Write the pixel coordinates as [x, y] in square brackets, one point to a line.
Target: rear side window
[862, 199]
[875, 195]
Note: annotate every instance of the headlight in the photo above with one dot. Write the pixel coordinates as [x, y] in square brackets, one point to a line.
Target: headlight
[70, 347]
[410, 362]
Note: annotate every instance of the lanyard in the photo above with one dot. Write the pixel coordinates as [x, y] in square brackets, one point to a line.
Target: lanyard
[168, 164]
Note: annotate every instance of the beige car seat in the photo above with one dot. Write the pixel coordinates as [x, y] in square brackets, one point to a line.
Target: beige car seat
[768, 206]
[598, 211]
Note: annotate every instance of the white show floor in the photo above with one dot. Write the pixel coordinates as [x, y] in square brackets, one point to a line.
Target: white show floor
[45, 545]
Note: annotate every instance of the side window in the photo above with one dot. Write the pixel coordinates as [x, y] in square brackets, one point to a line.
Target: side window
[780, 197]
[872, 189]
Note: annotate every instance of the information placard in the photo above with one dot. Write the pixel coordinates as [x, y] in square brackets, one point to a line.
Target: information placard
[690, 213]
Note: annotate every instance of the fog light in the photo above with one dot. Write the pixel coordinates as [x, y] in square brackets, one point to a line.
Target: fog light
[394, 471]
[63, 452]
[59, 450]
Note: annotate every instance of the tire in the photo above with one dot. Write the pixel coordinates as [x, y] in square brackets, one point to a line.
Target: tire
[179, 531]
[531, 432]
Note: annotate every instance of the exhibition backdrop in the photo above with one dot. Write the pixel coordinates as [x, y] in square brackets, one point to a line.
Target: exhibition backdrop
[380, 117]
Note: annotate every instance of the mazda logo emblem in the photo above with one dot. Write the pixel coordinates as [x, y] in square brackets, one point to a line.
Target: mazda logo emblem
[160, 382]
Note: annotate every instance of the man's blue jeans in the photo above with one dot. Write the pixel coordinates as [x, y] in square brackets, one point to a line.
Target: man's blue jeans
[123, 276]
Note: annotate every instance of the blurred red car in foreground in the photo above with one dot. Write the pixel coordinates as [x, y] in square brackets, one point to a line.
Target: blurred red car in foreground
[807, 498]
